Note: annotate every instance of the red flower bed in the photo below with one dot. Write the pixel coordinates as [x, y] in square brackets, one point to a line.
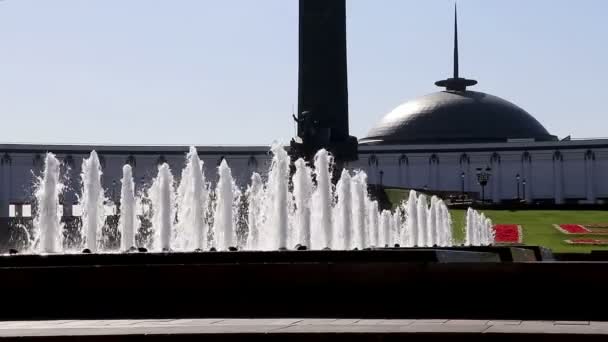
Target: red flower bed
[580, 229]
[602, 242]
[507, 233]
[572, 229]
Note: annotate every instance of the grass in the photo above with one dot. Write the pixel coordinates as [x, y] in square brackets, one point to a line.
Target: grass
[537, 224]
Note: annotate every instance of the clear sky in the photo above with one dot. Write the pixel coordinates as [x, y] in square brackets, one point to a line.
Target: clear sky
[225, 72]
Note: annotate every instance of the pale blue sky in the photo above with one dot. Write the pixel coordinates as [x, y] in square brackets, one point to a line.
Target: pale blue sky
[225, 72]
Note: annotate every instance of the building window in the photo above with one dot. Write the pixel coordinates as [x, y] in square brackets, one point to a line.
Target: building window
[252, 162]
[434, 159]
[6, 159]
[12, 210]
[372, 160]
[495, 158]
[557, 156]
[464, 159]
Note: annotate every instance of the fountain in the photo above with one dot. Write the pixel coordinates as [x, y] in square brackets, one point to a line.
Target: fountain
[441, 227]
[302, 191]
[397, 228]
[48, 222]
[128, 217]
[322, 202]
[490, 232]
[92, 201]
[269, 217]
[412, 221]
[385, 228]
[162, 195]
[400, 234]
[373, 223]
[481, 229]
[344, 213]
[359, 197]
[422, 211]
[192, 197]
[469, 227]
[255, 194]
[224, 217]
[277, 223]
[432, 223]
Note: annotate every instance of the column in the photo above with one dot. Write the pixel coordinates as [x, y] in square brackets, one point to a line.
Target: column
[496, 177]
[558, 182]
[402, 176]
[5, 166]
[590, 176]
[527, 173]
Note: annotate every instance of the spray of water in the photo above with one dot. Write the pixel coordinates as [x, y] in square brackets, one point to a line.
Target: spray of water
[47, 224]
[412, 220]
[432, 223]
[422, 222]
[162, 194]
[399, 232]
[322, 202]
[128, 216]
[359, 197]
[276, 228]
[385, 228]
[92, 201]
[302, 192]
[343, 238]
[268, 217]
[255, 219]
[224, 219]
[192, 197]
[373, 223]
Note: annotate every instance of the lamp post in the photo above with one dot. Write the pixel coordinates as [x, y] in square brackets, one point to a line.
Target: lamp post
[462, 183]
[523, 183]
[381, 177]
[517, 178]
[483, 176]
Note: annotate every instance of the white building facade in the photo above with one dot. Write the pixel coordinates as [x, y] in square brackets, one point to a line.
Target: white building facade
[557, 172]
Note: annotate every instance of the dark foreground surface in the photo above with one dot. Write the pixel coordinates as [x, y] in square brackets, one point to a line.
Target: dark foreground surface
[302, 330]
[384, 284]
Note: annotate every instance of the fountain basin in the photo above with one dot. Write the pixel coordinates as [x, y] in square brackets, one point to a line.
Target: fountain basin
[292, 284]
[248, 257]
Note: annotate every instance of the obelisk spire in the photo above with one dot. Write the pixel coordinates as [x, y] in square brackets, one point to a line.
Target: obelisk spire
[455, 41]
[456, 83]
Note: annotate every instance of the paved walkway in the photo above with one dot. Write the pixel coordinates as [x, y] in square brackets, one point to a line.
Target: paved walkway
[266, 327]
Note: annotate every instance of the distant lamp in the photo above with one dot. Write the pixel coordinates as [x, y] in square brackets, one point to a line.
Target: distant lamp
[483, 176]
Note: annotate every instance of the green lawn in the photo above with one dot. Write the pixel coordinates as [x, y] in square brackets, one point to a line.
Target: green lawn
[537, 224]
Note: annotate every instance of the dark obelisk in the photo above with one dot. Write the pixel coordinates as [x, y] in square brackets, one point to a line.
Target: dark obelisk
[322, 115]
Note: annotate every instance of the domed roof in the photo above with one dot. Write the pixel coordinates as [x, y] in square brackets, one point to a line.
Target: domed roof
[457, 116]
